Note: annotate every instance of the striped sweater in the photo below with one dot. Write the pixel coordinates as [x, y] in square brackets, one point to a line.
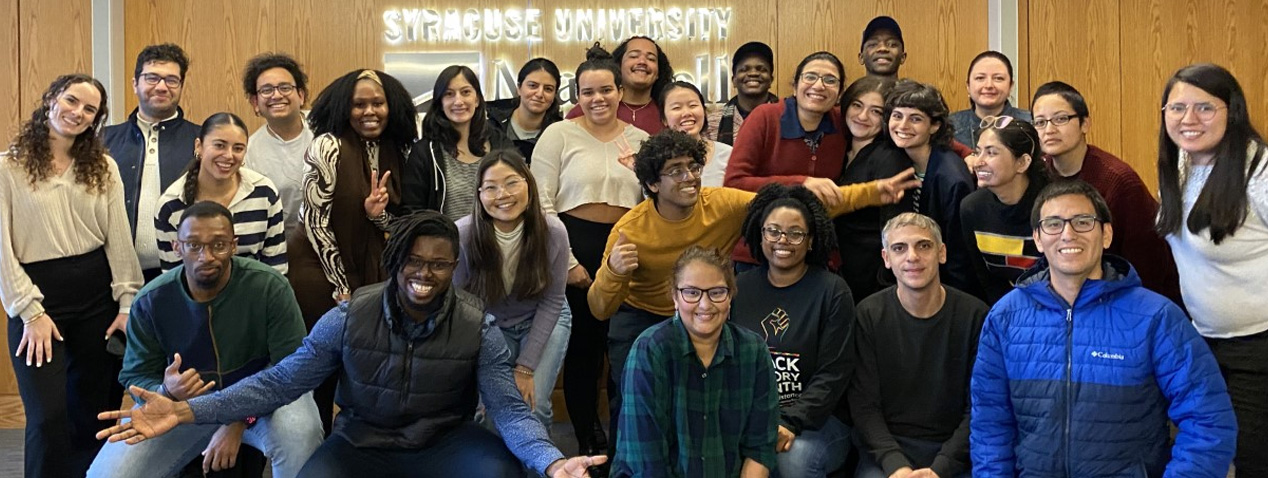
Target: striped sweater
[257, 221]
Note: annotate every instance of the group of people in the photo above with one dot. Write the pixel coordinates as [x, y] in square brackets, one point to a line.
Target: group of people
[850, 280]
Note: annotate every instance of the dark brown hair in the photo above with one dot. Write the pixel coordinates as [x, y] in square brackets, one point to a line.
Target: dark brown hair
[532, 272]
[31, 149]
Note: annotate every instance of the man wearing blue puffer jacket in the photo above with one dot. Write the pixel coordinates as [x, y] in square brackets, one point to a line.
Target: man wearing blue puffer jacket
[1079, 369]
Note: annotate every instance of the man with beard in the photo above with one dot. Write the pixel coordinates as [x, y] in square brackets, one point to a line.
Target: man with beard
[153, 146]
[219, 319]
[752, 70]
[414, 357]
[883, 50]
[277, 88]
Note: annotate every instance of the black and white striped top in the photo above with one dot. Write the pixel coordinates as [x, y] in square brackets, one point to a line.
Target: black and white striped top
[257, 221]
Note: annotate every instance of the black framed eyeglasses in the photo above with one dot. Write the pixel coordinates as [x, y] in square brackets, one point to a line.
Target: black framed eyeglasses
[267, 90]
[1081, 223]
[217, 248]
[414, 265]
[154, 79]
[1058, 120]
[773, 234]
[692, 295]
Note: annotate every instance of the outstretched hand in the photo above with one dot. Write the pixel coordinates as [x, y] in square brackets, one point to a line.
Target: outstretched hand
[158, 415]
[574, 467]
[893, 188]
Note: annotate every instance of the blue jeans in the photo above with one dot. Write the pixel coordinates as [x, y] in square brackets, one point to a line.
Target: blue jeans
[287, 436]
[919, 452]
[466, 450]
[552, 358]
[815, 453]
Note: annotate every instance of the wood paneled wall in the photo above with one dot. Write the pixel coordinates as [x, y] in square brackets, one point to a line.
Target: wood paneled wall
[331, 38]
[1120, 55]
[41, 40]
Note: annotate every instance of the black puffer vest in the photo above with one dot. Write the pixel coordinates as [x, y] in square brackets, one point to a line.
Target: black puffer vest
[399, 393]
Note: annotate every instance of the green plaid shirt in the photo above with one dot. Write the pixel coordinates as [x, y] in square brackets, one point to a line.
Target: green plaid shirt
[680, 419]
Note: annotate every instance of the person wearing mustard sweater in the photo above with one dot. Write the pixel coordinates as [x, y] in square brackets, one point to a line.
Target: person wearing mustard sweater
[632, 286]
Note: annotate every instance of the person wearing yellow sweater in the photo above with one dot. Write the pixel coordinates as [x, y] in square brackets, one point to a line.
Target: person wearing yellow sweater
[632, 286]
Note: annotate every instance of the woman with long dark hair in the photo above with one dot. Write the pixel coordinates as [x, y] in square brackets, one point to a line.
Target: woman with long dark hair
[515, 258]
[440, 173]
[805, 313]
[1213, 180]
[364, 124]
[217, 174]
[69, 274]
[869, 156]
[995, 219]
[584, 168]
[534, 107]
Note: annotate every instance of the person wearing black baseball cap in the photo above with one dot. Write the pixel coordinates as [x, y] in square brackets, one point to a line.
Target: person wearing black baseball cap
[883, 49]
[752, 71]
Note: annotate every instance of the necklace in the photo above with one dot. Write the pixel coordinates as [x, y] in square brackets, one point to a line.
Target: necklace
[634, 111]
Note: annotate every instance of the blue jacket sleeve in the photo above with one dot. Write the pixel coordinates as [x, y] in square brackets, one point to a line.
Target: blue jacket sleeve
[992, 426]
[320, 356]
[1199, 404]
[523, 434]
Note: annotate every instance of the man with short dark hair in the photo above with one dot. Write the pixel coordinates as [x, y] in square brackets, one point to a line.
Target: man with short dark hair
[882, 51]
[914, 348]
[752, 71]
[414, 357]
[219, 319]
[154, 145]
[277, 88]
[1080, 370]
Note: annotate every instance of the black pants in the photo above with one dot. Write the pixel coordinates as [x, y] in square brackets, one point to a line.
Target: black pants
[627, 324]
[63, 397]
[1244, 365]
[587, 346]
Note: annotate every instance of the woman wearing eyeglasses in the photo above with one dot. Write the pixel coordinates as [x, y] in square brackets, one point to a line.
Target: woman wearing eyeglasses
[515, 258]
[805, 315]
[995, 219]
[795, 141]
[699, 391]
[216, 174]
[1213, 179]
[69, 273]
[364, 123]
[1063, 122]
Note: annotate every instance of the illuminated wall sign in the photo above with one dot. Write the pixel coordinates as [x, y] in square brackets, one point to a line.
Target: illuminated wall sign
[406, 27]
[585, 25]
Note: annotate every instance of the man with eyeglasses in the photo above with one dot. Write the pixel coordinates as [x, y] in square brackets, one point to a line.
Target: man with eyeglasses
[154, 145]
[277, 88]
[882, 51]
[914, 345]
[1080, 370]
[1061, 118]
[414, 357]
[632, 286]
[207, 324]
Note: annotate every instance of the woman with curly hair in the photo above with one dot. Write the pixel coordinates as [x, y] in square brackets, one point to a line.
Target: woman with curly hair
[918, 125]
[364, 124]
[68, 274]
[805, 314]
